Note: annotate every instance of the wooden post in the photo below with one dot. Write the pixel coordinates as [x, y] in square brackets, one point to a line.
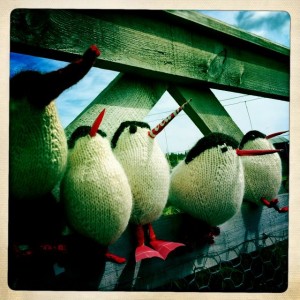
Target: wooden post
[206, 111]
[127, 97]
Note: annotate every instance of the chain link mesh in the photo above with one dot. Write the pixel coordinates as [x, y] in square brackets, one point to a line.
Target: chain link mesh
[263, 270]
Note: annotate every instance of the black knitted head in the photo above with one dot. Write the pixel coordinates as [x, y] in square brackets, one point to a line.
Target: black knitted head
[81, 132]
[210, 141]
[251, 136]
[40, 89]
[30, 85]
[132, 129]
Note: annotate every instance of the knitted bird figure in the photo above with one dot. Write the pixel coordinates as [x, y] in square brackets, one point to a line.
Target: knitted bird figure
[37, 144]
[209, 183]
[262, 174]
[37, 161]
[95, 191]
[149, 175]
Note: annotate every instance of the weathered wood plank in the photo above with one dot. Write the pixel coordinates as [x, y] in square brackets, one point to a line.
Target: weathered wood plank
[126, 98]
[157, 44]
[246, 232]
[206, 111]
[218, 27]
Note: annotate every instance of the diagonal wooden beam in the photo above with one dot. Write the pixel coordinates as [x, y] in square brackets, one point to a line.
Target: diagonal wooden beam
[126, 98]
[206, 111]
[173, 46]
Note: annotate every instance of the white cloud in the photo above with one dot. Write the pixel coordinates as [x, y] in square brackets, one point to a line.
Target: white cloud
[272, 25]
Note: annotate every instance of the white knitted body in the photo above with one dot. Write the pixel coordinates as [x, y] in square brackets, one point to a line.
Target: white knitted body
[148, 173]
[210, 187]
[38, 149]
[95, 191]
[262, 173]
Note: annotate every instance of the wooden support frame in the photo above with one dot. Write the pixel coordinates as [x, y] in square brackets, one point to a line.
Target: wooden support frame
[126, 98]
[206, 111]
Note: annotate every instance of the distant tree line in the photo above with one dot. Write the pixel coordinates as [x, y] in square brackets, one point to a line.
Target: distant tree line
[175, 158]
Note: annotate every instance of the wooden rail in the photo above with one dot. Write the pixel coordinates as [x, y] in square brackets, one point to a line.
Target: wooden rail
[182, 52]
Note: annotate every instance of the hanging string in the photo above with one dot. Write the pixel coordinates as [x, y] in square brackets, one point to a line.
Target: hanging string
[248, 115]
[167, 147]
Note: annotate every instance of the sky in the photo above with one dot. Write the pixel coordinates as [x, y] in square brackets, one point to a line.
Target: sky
[247, 111]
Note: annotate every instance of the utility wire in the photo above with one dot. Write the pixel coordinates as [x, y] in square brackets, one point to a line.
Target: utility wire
[243, 101]
[227, 99]
[248, 115]
[168, 111]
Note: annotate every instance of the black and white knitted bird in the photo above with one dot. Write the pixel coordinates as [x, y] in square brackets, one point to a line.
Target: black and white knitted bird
[95, 190]
[263, 175]
[38, 145]
[148, 173]
[37, 161]
[209, 183]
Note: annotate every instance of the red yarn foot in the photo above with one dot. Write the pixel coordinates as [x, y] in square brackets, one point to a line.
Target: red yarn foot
[163, 247]
[265, 202]
[273, 204]
[143, 252]
[284, 209]
[115, 258]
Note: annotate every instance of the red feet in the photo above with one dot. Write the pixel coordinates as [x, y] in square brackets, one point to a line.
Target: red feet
[114, 258]
[161, 249]
[164, 247]
[273, 204]
[142, 252]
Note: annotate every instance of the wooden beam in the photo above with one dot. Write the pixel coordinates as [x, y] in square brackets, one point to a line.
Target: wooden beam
[158, 44]
[126, 98]
[206, 111]
[248, 231]
[217, 27]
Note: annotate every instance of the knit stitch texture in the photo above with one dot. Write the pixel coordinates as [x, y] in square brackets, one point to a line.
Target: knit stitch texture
[95, 191]
[262, 173]
[148, 173]
[38, 149]
[210, 187]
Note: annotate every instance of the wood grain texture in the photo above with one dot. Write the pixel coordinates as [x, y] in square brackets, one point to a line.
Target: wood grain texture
[158, 44]
[220, 28]
[206, 111]
[247, 231]
[126, 98]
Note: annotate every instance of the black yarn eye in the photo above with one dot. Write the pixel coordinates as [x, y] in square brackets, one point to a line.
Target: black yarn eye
[224, 149]
[132, 129]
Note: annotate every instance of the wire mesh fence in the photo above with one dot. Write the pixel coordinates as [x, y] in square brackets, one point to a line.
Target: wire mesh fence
[263, 270]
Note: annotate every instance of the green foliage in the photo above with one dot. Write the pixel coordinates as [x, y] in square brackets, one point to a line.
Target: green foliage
[175, 158]
[171, 210]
